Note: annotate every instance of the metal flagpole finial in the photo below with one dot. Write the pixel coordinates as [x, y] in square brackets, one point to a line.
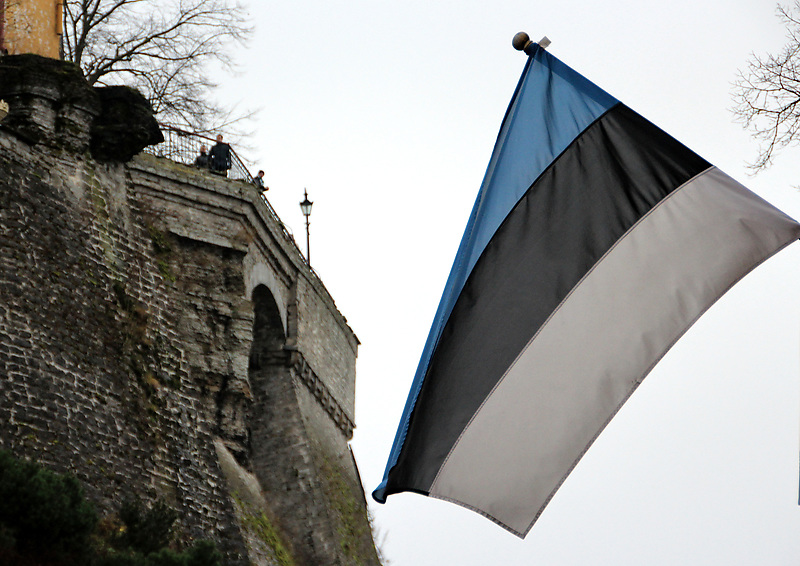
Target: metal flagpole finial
[522, 42]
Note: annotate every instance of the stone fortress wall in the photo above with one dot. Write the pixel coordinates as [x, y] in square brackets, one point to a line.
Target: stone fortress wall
[162, 336]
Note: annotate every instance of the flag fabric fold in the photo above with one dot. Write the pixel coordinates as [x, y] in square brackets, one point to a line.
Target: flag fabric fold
[595, 242]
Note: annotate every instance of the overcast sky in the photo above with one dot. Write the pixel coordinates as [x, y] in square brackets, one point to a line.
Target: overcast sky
[387, 113]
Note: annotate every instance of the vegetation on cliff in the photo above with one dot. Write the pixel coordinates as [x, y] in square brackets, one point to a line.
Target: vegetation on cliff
[349, 514]
[45, 520]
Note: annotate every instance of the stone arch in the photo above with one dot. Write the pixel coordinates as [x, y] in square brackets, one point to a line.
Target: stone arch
[260, 275]
[269, 330]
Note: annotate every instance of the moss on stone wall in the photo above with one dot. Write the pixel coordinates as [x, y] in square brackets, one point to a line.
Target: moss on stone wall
[346, 502]
[163, 251]
[257, 522]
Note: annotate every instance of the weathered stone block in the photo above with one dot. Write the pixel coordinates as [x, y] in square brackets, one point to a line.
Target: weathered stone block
[49, 101]
[124, 126]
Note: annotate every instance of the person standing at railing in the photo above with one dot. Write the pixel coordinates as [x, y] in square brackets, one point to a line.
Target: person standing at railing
[258, 181]
[220, 157]
[202, 160]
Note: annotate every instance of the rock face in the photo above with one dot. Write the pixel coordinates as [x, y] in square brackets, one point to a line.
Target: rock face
[125, 125]
[162, 336]
[51, 103]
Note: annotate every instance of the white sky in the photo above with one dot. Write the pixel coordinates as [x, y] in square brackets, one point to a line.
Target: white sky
[388, 111]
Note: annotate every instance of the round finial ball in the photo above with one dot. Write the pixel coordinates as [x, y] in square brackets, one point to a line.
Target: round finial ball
[521, 41]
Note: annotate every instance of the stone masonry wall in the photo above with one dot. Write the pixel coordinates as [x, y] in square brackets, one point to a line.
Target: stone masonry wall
[325, 346]
[162, 337]
[95, 378]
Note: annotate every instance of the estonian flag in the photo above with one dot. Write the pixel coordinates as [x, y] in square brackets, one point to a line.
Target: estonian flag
[595, 242]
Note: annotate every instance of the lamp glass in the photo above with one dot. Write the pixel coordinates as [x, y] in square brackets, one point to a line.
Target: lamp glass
[305, 206]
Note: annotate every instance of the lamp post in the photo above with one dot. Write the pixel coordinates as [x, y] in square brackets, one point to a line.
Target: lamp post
[305, 207]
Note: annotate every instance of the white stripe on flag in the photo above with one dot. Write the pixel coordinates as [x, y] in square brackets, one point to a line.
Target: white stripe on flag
[600, 343]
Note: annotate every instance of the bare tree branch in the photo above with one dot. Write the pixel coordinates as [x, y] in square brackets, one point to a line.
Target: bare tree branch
[162, 47]
[767, 93]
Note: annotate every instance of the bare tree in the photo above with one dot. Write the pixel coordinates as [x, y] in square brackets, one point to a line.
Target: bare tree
[165, 48]
[767, 94]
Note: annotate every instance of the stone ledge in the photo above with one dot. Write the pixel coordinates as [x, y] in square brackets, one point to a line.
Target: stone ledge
[321, 393]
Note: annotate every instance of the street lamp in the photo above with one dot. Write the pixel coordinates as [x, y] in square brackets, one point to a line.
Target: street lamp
[305, 207]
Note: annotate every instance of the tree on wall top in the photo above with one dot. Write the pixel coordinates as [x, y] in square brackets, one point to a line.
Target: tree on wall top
[164, 48]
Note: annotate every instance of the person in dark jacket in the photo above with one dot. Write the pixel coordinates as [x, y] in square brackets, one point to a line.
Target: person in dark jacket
[258, 181]
[201, 160]
[220, 157]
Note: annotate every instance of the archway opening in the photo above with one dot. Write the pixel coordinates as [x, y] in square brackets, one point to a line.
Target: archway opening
[268, 334]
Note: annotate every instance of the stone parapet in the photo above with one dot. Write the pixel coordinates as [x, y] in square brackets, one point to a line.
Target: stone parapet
[51, 103]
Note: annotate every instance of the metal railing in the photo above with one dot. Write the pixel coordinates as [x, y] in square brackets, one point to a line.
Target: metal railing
[184, 147]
